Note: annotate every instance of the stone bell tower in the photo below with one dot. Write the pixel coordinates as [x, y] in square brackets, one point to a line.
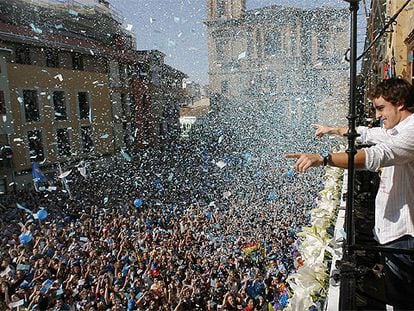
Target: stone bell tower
[224, 19]
[225, 9]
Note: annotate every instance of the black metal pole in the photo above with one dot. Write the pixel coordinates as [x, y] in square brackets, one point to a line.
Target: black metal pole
[347, 268]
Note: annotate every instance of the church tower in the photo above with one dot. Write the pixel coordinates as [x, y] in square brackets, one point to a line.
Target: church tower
[225, 18]
[225, 9]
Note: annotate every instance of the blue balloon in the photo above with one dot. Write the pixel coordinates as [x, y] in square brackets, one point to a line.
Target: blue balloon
[290, 173]
[41, 214]
[271, 196]
[137, 202]
[131, 305]
[25, 237]
[208, 215]
[248, 157]
[283, 300]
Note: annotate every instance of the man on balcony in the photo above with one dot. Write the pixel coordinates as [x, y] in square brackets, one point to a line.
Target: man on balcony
[392, 154]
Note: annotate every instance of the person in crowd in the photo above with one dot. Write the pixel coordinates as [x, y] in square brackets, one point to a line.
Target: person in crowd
[182, 246]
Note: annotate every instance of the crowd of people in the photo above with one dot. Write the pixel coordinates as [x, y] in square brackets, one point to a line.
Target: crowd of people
[214, 228]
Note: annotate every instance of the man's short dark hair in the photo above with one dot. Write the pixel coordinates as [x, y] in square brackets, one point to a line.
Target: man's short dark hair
[396, 91]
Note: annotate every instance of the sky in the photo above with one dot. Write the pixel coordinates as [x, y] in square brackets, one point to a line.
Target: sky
[175, 27]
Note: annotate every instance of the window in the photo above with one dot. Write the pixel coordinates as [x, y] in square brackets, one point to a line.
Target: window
[59, 105]
[124, 104]
[36, 151]
[130, 71]
[23, 55]
[3, 183]
[77, 61]
[224, 87]
[142, 71]
[142, 75]
[131, 100]
[123, 72]
[31, 106]
[221, 9]
[63, 142]
[259, 45]
[84, 107]
[52, 58]
[324, 47]
[220, 50]
[3, 110]
[250, 44]
[272, 43]
[6, 153]
[412, 66]
[86, 136]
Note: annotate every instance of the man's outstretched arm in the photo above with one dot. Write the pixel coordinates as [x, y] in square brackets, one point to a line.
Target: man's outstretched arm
[322, 130]
[337, 159]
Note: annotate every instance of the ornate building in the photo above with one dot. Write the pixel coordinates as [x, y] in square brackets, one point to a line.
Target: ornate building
[278, 52]
[74, 87]
[392, 54]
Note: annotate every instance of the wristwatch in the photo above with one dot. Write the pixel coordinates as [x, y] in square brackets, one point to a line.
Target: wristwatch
[325, 157]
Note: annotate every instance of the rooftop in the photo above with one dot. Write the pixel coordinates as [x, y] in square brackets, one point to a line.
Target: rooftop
[198, 109]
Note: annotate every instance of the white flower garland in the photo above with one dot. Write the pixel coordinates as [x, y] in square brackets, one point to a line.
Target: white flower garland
[311, 280]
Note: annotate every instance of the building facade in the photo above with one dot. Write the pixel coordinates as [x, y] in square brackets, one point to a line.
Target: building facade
[400, 42]
[392, 54]
[278, 52]
[73, 86]
[56, 99]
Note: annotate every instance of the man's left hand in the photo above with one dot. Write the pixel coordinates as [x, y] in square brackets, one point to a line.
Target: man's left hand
[305, 160]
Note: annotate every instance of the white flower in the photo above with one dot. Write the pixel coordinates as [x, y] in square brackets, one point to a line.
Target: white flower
[310, 279]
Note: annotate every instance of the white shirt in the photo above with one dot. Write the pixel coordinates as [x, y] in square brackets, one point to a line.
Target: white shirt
[393, 153]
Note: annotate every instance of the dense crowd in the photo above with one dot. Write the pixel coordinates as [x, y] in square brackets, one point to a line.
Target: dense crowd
[203, 236]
